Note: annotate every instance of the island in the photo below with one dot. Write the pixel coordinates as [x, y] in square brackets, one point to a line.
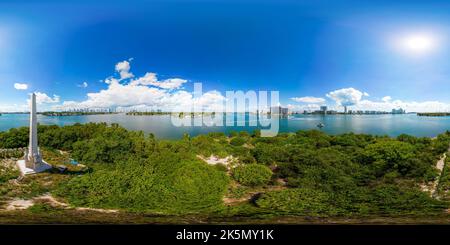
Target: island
[74, 113]
[433, 114]
[147, 113]
[158, 113]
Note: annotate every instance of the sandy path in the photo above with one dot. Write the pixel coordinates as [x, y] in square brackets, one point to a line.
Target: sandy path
[22, 204]
[440, 166]
[19, 204]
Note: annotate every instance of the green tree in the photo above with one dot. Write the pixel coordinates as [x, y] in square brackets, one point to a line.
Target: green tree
[252, 174]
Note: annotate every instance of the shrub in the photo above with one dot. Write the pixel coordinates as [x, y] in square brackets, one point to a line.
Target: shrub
[41, 208]
[221, 167]
[304, 201]
[395, 199]
[252, 174]
[166, 182]
[14, 138]
[238, 141]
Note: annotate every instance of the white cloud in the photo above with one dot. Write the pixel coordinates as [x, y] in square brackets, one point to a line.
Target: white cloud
[353, 97]
[123, 68]
[14, 107]
[386, 98]
[43, 98]
[83, 85]
[171, 83]
[346, 96]
[411, 106]
[150, 78]
[144, 92]
[305, 107]
[309, 99]
[149, 93]
[21, 86]
[140, 96]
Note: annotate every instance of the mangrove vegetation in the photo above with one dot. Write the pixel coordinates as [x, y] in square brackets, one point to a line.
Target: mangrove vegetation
[307, 173]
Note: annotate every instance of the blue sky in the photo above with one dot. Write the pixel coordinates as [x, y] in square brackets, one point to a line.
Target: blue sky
[360, 50]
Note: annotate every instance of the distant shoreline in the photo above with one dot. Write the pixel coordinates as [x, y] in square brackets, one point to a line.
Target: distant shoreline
[434, 114]
[52, 113]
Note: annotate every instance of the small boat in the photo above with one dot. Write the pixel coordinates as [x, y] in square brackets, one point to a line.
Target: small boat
[320, 125]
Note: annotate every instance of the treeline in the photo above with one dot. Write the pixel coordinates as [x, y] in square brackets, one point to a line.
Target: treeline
[326, 175]
[434, 114]
[180, 114]
[147, 113]
[75, 113]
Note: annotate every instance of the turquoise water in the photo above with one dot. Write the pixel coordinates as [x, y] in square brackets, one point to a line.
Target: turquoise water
[162, 127]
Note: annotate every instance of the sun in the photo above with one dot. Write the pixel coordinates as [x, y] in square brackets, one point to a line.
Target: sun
[418, 43]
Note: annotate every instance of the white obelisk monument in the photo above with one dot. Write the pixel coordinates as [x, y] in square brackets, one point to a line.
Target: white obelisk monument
[33, 162]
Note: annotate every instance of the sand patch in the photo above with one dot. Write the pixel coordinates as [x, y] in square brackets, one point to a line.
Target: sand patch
[19, 204]
[213, 160]
[98, 210]
[22, 204]
[47, 198]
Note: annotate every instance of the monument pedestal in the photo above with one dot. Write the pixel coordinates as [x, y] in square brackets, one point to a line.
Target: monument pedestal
[39, 167]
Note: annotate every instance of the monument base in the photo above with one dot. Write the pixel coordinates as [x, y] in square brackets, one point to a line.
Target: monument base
[39, 168]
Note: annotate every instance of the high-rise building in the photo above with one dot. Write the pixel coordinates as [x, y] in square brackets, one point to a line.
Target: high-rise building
[398, 111]
[278, 110]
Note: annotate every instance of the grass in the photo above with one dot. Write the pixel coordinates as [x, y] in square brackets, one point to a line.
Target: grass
[238, 191]
[36, 184]
[7, 173]
[56, 157]
[32, 186]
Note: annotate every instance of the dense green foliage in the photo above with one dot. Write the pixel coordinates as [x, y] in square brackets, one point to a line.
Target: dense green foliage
[383, 199]
[348, 174]
[252, 174]
[238, 141]
[163, 182]
[14, 138]
[360, 174]
[298, 200]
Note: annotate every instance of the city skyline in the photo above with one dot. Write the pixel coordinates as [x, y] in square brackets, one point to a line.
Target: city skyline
[366, 56]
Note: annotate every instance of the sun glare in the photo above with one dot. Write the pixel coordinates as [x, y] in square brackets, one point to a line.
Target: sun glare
[418, 43]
